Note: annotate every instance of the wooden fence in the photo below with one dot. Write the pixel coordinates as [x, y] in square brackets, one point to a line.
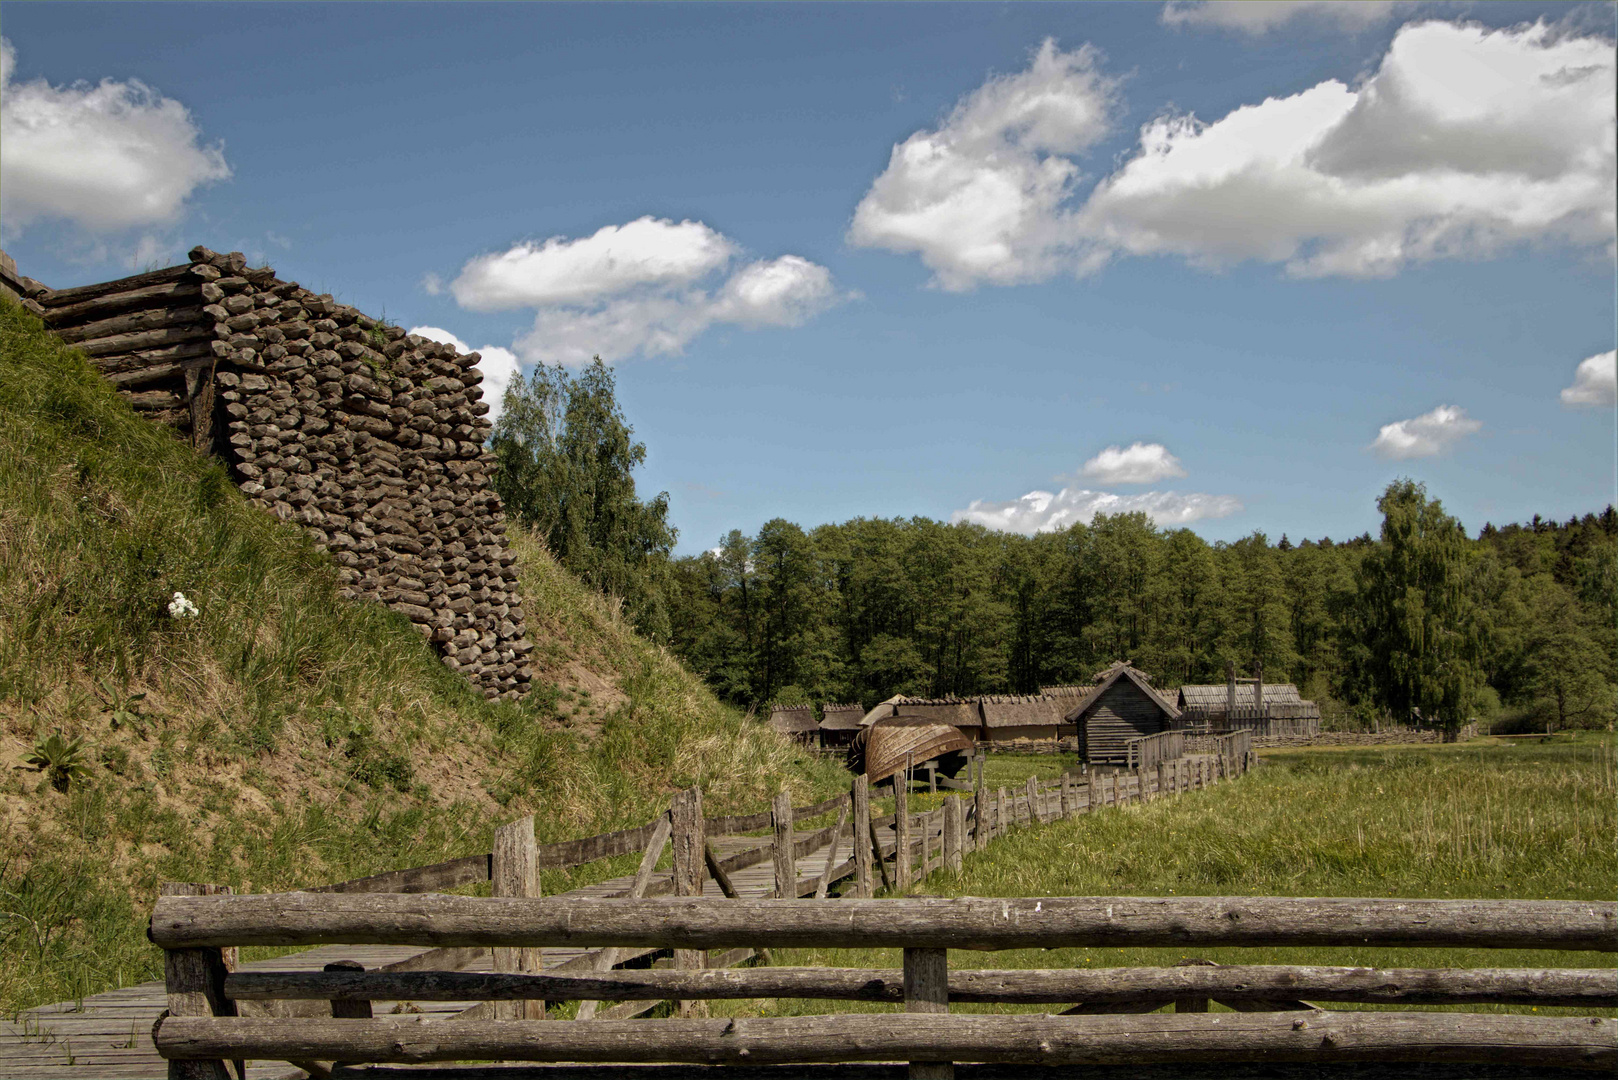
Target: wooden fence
[1271, 1022]
[1147, 751]
[894, 850]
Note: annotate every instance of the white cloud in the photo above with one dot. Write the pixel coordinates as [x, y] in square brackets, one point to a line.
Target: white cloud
[111, 156]
[614, 259]
[1041, 511]
[1464, 140]
[1139, 463]
[1425, 435]
[980, 198]
[1595, 383]
[498, 365]
[646, 288]
[1262, 16]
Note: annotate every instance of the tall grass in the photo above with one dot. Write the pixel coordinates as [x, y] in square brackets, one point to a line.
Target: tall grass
[283, 737]
[1480, 820]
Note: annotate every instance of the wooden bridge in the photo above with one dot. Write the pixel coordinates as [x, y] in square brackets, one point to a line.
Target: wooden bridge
[110, 1035]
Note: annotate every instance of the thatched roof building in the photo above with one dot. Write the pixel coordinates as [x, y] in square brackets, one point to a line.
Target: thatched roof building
[1122, 705]
[797, 723]
[840, 723]
[1008, 718]
[1236, 702]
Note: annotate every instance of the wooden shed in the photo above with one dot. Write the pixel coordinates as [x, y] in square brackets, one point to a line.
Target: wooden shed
[1122, 705]
[840, 723]
[1243, 703]
[796, 723]
[1025, 718]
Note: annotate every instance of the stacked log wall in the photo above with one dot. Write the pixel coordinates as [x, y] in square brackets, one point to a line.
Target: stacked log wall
[371, 439]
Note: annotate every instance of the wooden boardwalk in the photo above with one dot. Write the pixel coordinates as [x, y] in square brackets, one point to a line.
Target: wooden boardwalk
[109, 1036]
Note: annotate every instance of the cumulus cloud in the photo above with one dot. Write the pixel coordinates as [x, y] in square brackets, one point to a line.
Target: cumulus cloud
[111, 156]
[1139, 463]
[498, 365]
[1041, 511]
[1425, 435]
[1595, 383]
[646, 288]
[981, 197]
[1463, 141]
[1262, 16]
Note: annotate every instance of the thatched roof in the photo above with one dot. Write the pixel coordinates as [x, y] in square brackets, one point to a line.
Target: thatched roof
[1280, 699]
[961, 712]
[880, 710]
[1118, 671]
[1023, 710]
[793, 721]
[841, 717]
[1064, 691]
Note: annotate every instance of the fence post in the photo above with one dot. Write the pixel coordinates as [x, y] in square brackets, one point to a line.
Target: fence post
[926, 979]
[901, 832]
[1067, 795]
[862, 843]
[685, 814]
[195, 981]
[1034, 816]
[954, 830]
[786, 862]
[514, 871]
[980, 806]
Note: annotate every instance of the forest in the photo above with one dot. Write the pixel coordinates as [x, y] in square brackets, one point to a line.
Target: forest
[1422, 622]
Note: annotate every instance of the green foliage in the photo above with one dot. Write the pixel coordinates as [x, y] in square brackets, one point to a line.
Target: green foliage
[1421, 623]
[565, 458]
[61, 760]
[124, 709]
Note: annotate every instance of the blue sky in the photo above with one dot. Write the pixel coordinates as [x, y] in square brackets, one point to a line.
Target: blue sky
[1238, 266]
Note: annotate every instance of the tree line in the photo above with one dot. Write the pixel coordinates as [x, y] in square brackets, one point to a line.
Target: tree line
[1421, 622]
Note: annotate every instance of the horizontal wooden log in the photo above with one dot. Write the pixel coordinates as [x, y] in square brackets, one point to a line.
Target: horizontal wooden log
[145, 339]
[445, 875]
[134, 322]
[304, 918]
[734, 824]
[154, 400]
[604, 845]
[1594, 988]
[1563, 1042]
[142, 359]
[144, 376]
[187, 292]
[79, 293]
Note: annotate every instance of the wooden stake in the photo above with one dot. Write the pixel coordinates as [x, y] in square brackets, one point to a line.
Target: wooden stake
[862, 826]
[786, 862]
[685, 814]
[954, 829]
[195, 980]
[514, 871]
[926, 975]
[901, 828]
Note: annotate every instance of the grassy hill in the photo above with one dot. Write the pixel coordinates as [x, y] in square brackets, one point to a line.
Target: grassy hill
[281, 737]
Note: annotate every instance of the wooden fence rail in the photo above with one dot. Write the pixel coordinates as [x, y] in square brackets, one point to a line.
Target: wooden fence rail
[1269, 1023]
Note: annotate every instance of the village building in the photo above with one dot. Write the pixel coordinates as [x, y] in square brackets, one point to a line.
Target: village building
[1122, 705]
[796, 723]
[839, 724]
[1245, 703]
[1023, 718]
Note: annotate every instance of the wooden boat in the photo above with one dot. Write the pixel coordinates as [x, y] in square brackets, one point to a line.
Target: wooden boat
[882, 748]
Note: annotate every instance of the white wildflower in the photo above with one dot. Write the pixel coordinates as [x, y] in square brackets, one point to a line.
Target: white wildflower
[181, 608]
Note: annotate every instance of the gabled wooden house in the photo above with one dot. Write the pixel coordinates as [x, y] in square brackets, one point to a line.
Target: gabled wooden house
[1121, 706]
[1250, 703]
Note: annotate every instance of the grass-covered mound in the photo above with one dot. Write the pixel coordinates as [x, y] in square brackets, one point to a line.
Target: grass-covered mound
[280, 737]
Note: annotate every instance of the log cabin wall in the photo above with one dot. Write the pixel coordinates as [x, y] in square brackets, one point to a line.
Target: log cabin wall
[370, 439]
[1123, 712]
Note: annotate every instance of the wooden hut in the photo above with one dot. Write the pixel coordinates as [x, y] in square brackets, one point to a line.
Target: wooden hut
[796, 723]
[839, 724]
[881, 749]
[1122, 705]
[963, 714]
[1025, 718]
[1241, 703]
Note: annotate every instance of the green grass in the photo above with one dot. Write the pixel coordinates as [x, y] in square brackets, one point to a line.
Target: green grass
[1478, 820]
[283, 737]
